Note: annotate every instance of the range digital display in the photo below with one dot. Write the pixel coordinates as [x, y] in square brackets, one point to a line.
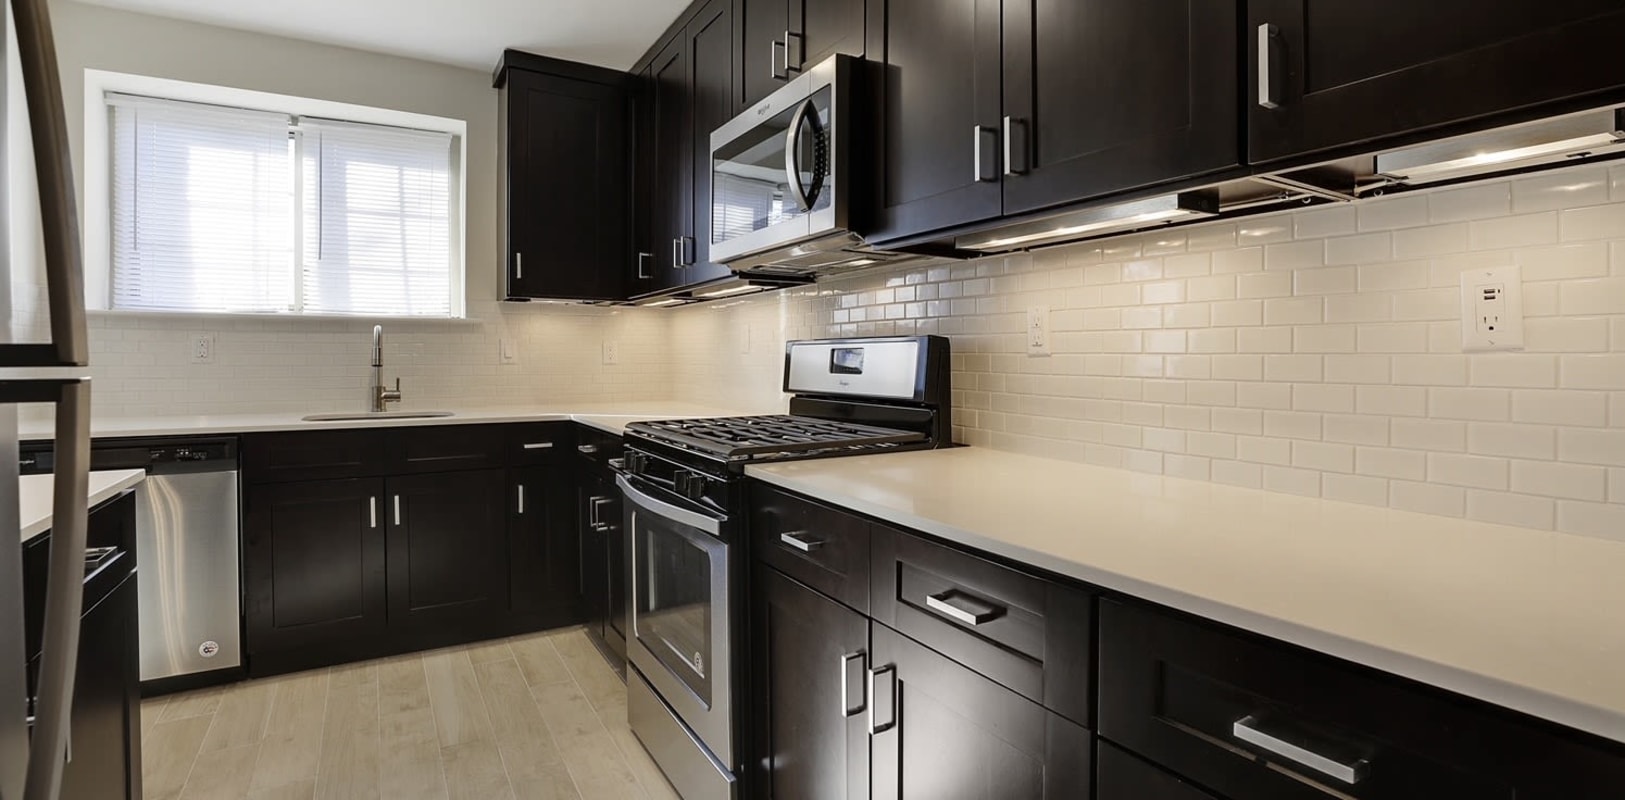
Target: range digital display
[846, 361]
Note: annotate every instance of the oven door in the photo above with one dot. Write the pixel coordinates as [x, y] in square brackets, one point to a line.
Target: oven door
[774, 181]
[680, 606]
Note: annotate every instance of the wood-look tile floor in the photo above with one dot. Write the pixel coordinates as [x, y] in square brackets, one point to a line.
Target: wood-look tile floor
[538, 716]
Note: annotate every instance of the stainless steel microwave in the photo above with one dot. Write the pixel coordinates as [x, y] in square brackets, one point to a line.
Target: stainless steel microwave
[782, 179]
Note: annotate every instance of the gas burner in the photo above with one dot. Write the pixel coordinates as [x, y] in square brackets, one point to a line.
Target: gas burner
[760, 437]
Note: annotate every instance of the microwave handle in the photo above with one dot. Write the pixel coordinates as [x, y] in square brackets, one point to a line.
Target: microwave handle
[792, 155]
[64, 271]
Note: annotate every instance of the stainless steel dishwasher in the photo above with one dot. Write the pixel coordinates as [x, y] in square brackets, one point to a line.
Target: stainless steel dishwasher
[187, 560]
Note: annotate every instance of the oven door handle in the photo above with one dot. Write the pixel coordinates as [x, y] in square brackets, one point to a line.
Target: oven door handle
[693, 519]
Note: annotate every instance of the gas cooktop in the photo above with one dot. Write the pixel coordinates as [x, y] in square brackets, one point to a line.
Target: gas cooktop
[767, 436]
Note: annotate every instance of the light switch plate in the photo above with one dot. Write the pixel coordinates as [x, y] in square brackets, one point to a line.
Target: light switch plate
[1038, 331]
[1492, 309]
[509, 353]
[202, 348]
[612, 354]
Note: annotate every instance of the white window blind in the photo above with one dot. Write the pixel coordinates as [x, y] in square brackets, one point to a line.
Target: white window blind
[226, 210]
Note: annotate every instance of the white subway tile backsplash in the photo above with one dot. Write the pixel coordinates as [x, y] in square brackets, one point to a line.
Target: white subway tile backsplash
[1263, 284]
[1433, 240]
[1392, 401]
[1514, 440]
[1430, 370]
[1511, 509]
[1292, 424]
[1364, 248]
[1553, 479]
[1516, 370]
[1288, 480]
[1523, 230]
[1594, 372]
[1598, 296]
[1562, 189]
[1592, 222]
[1354, 489]
[1294, 311]
[1238, 473]
[1428, 498]
[1402, 464]
[1324, 281]
[1320, 223]
[1404, 211]
[1566, 335]
[1408, 337]
[1480, 201]
[1562, 262]
[1245, 421]
[1432, 304]
[1490, 405]
[1561, 408]
[1343, 368]
[1211, 287]
[1238, 313]
[1616, 485]
[1323, 456]
[1461, 470]
[1591, 519]
[1430, 434]
[1581, 446]
[1355, 429]
[1294, 255]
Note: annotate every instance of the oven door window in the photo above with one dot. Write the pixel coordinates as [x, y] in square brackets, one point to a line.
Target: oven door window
[777, 172]
[679, 573]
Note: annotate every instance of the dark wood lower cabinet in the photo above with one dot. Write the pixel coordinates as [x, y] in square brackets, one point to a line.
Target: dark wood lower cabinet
[603, 565]
[446, 537]
[1124, 777]
[544, 559]
[812, 731]
[106, 720]
[946, 733]
[313, 564]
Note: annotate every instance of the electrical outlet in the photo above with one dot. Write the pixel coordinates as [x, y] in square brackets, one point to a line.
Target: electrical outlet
[612, 354]
[203, 348]
[1492, 309]
[509, 351]
[1038, 331]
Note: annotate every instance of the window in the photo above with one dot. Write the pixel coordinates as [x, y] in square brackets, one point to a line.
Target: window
[229, 210]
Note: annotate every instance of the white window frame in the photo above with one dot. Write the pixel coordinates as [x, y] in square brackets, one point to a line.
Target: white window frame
[97, 205]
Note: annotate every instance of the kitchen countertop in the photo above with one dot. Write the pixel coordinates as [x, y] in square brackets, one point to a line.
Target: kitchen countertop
[611, 417]
[34, 496]
[1526, 619]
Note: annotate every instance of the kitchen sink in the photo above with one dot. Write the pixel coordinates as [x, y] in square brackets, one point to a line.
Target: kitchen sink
[364, 415]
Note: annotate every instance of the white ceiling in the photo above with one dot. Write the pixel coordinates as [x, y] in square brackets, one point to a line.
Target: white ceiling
[467, 33]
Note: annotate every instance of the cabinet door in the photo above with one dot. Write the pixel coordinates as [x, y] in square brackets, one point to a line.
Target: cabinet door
[763, 25]
[826, 28]
[1106, 95]
[939, 112]
[673, 186]
[544, 562]
[446, 546]
[1124, 777]
[105, 720]
[567, 198]
[313, 564]
[603, 563]
[1440, 63]
[711, 53]
[644, 186]
[943, 732]
[614, 535]
[811, 655]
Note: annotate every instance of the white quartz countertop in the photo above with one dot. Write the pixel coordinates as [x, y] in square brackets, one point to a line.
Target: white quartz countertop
[611, 417]
[34, 496]
[1526, 619]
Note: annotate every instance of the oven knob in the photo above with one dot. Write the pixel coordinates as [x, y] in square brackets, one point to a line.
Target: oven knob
[690, 485]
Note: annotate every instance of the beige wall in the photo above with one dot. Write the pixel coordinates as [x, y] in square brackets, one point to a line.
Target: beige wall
[142, 365]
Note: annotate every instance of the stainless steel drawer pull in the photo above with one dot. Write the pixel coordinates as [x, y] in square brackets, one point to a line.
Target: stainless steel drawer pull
[846, 681]
[538, 445]
[519, 265]
[372, 511]
[586, 449]
[875, 726]
[965, 609]
[521, 498]
[980, 134]
[799, 541]
[397, 509]
[1246, 729]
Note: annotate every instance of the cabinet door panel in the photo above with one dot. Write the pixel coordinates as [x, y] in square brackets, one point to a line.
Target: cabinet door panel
[567, 202]
[711, 51]
[313, 563]
[813, 734]
[763, 26]
[939, 90]
[106, 746]
[673, 191]
[1441, 63]
[1107, 95]
[544, 562]
[828, 27]
[959, 736]
[445, 547]
[603, 562]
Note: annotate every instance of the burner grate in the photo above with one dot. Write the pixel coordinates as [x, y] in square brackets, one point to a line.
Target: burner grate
[739, 437]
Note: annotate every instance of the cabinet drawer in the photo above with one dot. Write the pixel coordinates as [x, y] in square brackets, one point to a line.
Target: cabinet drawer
[447, 448]
[538, 443]
[1121, 776]
[314, 455]
[596, 446]
[820, 546]
[1027, 633]
[1257, 719]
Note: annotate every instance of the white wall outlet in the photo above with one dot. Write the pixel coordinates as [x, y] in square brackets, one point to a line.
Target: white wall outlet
[1038, 332]
[202, 348]
[1492, 309]
[612, 354]
[509, 351]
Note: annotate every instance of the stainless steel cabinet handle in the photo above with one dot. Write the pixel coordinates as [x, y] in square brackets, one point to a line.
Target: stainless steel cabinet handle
[521, 498]
[593, 504]
[690, 250]
[397, 510]
[538, 445]
[59, 216]
[799, 541]
[1010, 143]
[372, 512]
[519, 265]
[846, 681]
[875, 726]
[676, 253]
[976, 614]
[1246, 729]
[644, 259]
[597, 503]
[586, 449]
[792, 54]
[979, 134]
[1269, 95]
[779, 53]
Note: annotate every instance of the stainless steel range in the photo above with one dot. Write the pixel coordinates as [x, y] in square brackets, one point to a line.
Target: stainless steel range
[685, 518]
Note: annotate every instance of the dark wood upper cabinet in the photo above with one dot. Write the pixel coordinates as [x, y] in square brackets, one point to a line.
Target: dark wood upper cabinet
[938, 64]
[566, 150]
[671, 177]
[811, 653]
[780, 38]
[711, 92]
[1382, 72]
[446, 540]
[1102, 96]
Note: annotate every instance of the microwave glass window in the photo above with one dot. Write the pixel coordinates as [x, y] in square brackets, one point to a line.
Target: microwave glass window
[750, 176]
[846, 361]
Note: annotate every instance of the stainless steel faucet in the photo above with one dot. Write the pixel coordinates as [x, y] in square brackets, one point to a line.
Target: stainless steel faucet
[381, 395]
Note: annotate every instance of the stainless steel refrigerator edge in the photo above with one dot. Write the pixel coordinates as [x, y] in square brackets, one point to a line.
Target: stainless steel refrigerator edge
[52, 372]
